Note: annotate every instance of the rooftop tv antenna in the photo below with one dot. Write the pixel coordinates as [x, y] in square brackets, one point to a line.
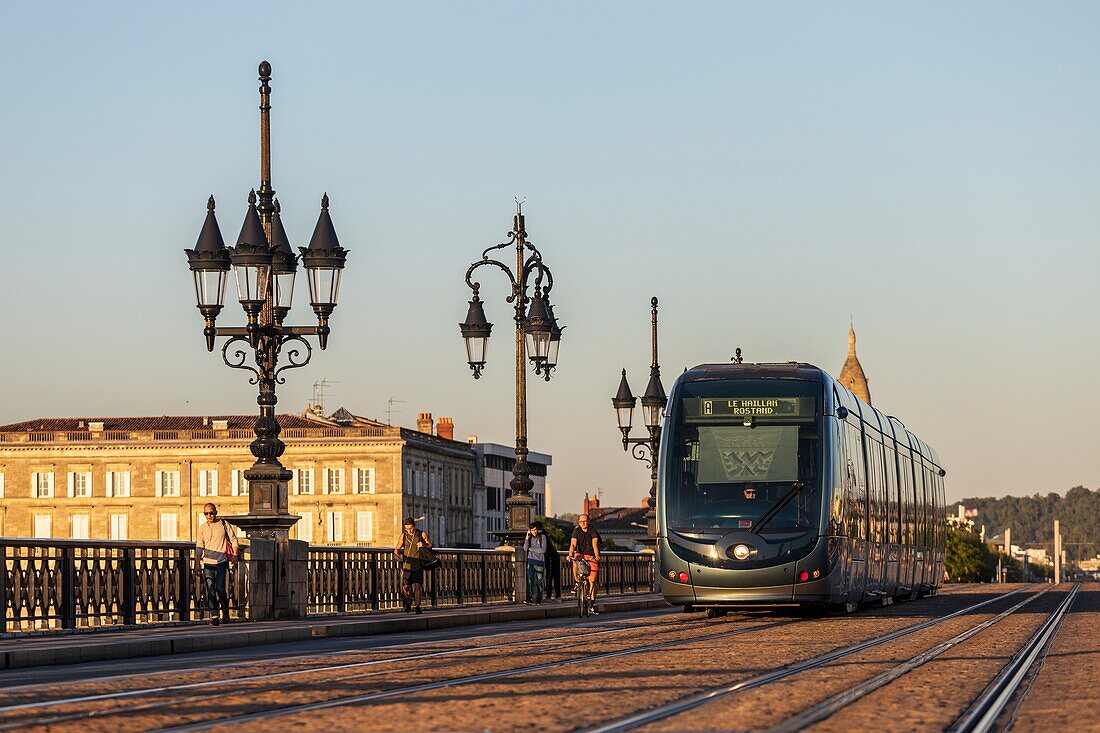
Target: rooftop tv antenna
[389, 409]
[319, 393]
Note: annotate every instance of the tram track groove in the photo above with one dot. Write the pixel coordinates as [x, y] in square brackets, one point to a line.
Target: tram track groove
[695, 700]
[984, 712]
[578, 637]
[828, 707]
[485, 677]
[455, 682]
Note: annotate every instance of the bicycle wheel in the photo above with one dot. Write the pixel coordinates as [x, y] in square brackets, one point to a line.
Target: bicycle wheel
[582, 597]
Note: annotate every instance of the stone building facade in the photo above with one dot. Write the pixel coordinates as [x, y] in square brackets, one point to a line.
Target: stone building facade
[495, 462]
[147, 478]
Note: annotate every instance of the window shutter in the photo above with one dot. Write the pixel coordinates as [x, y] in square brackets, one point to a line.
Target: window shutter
[202, 483]
[324, 480]
[305, 527]
[125, 483]
[72, 482]
[294, 483]
[109, 484]
[1, 485]
[370, 479]
[236, 489]
[365, 528]
[88, 482]
[355, 480]
[159, 478]
[212, 486]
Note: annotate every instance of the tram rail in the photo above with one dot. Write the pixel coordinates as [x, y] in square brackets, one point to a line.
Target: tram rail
[624, 724]
[983, 714]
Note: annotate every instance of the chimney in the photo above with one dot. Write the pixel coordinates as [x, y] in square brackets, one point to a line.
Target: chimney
[587, 503]
[424, 422]
[471, 439]
[445, 428]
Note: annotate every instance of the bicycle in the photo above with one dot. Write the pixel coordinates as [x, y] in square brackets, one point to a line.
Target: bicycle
[584, 586]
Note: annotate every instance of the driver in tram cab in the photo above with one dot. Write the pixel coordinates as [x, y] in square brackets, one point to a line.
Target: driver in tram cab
[585, 544]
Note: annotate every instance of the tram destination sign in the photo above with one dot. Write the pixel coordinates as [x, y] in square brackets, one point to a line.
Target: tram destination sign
[741, 407]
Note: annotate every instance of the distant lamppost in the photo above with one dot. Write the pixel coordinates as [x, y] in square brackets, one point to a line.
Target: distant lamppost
[264, 267]
[653, 409]
[538, 338]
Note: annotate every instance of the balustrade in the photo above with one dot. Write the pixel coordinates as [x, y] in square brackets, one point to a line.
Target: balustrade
[51, 585]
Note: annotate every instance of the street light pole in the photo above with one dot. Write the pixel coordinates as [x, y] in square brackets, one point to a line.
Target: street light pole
[537, 338]
[653, 405]
[265, 266]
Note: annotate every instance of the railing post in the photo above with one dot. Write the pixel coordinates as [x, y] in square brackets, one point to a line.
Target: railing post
[183, 564]
[435, 585]
[129, 599]
[485, 579]
[458, 578]
[622, 575]
[375, 596]
[3, 588]
[68, 588]
[341, 581]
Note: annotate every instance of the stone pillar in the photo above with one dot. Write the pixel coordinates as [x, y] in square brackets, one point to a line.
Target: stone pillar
[261, 579]
[656, 575]
[298, 579]
[520, 573]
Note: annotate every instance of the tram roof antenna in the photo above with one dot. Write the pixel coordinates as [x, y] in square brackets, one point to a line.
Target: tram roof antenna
[319, 393]
[389, 409]
[737, 359]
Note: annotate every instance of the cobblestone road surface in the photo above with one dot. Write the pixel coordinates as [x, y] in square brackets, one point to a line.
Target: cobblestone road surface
[565, 676]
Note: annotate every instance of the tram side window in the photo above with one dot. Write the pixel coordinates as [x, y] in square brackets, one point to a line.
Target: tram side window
[906, 488]
[892, 502]
[922, 497]
[857, 494]
[874, 489]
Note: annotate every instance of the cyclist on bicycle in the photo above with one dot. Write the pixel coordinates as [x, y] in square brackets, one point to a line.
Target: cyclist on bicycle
[585, 544]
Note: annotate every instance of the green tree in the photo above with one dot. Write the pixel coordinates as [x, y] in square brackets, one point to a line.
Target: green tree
[967, 559]
[558, 531]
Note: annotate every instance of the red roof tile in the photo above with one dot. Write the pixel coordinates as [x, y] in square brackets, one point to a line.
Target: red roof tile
[164, 422]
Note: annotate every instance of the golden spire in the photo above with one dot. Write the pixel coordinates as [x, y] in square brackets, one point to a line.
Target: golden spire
[851, 374]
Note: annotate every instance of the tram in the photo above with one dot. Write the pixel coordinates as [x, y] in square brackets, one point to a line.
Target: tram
[779, 487]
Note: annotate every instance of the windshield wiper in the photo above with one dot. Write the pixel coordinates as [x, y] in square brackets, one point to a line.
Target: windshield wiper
[768, 515]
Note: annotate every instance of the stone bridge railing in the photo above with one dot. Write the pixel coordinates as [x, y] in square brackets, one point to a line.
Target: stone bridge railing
[50, 585]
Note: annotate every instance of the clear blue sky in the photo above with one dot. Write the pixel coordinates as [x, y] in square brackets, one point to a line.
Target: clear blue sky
[765, 170]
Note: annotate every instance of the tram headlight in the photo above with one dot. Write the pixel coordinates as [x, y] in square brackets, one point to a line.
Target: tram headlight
[742, 552]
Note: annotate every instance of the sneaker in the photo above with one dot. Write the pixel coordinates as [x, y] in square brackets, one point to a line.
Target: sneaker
[592, 610]
[419, 609]
[214, 621]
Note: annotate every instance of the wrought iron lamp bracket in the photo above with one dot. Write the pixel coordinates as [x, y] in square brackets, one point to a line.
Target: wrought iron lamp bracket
[476, 286]
[292, 355]
[239, 357]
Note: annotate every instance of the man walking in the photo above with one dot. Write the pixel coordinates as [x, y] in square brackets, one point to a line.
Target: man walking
[215, 547]
[553, 571]
[534, 545]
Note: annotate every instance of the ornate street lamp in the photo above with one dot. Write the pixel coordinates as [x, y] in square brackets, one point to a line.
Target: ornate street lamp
[264, 267]
[537, 335]
[653, 414]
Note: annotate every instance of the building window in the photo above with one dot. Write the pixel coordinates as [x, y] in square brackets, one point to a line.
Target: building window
[168, 530]
[80, 484]
[168, 483]
[364, 480]
[80, 526]
[336, 527]
[1, 484]
[42, 526]
[305, 526]
[208, 482]
[364, 523]
[118, 483]
[119, 529]
[334, 480]
[42, 486]
[239, 483]
[304, 482]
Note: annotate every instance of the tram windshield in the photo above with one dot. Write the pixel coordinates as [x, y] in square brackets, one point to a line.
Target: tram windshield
[741, 449]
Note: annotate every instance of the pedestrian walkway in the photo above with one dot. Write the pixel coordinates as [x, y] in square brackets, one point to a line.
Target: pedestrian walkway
[90, 646]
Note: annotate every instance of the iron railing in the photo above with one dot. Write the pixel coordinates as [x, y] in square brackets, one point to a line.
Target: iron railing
[620, 573]
[52, 585]
[364, 579]
[78, 584]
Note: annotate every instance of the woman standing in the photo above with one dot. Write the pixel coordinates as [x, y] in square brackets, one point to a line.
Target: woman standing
[409, 545]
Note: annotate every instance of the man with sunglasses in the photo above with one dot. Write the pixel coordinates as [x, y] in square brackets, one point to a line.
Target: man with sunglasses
[215, 546]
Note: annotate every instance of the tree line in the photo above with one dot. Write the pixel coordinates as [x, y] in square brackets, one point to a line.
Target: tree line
[1032, 519]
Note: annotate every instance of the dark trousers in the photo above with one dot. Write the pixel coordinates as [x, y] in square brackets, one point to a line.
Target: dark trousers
[214, 577]
[553, 580]
[535, 581]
